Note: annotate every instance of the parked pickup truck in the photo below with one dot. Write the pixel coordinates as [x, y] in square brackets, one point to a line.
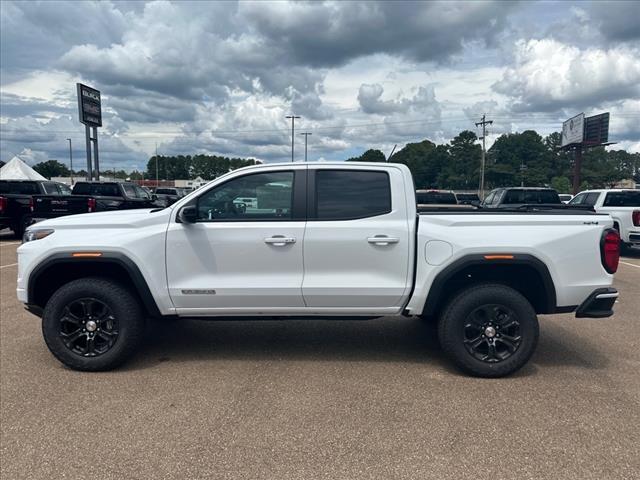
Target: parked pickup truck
[16, 202]
[89, 197]
[623, 206]
[328, 240]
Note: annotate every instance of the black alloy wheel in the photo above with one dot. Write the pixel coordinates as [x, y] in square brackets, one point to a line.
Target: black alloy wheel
[88, 327]
[492, 333]
[93, 324]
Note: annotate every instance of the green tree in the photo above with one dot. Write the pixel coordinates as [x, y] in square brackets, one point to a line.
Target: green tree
[463, 167]
[370, 155]
[52, 168]
[561, 184]
[425, 160]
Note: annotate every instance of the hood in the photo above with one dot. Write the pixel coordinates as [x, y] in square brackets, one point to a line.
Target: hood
[115, 219]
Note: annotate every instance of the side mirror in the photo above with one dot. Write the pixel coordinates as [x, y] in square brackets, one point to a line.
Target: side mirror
[188, 214]
[154, 197]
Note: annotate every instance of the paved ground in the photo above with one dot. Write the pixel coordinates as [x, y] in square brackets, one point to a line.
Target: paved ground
[322, 399]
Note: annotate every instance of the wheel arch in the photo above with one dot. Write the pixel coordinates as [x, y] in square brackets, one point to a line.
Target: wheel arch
[525, 273]
[61, 268]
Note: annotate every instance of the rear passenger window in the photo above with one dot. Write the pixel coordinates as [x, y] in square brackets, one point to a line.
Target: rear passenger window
[351, 194]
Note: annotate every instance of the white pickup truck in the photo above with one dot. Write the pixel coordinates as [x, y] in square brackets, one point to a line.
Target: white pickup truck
[321, 240]
[622, 204]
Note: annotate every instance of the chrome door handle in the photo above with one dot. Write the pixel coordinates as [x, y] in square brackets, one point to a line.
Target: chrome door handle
[382, 240]
[279, 240]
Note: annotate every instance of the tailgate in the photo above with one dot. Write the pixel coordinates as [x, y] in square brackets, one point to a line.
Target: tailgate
[60, 205]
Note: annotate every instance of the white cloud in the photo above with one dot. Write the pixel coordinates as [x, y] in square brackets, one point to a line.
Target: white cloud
[549, 75]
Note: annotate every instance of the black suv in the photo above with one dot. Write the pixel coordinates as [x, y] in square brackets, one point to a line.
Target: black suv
[516, 196]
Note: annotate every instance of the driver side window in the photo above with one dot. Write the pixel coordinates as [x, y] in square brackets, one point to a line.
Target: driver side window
[255, 197]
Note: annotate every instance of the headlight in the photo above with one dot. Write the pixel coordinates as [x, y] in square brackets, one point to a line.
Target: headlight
[36, 234]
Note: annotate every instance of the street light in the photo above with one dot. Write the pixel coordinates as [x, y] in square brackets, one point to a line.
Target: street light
[70, 161]
[293, 121]
[306, 135]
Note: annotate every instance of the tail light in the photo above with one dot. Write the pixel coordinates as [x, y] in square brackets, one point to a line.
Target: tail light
[610, 250]
[636, 217]
[31, 205]
[91, 205]
[3, 204]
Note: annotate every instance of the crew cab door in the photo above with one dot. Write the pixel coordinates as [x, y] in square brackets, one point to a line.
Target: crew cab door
[241, 257]
[357, 242]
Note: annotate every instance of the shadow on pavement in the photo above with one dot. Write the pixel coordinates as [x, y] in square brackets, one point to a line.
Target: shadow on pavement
[382, 340]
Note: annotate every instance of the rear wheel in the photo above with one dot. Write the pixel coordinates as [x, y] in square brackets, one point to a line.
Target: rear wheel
[489, 330]
[92, 324]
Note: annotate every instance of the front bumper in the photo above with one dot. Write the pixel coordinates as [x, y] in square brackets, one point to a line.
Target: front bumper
[599, 304]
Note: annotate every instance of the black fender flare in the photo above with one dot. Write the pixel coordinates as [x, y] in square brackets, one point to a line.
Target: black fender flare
[438, 290]
[117, 258]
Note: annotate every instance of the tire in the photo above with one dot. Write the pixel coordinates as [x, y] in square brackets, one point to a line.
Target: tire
[21, 226]
[67, 318]
[470, 330]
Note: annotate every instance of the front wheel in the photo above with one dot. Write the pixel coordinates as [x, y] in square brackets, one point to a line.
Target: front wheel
[92, 324]
[489, 330]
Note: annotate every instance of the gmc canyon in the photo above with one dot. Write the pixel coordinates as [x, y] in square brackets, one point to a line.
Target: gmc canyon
[320, 240]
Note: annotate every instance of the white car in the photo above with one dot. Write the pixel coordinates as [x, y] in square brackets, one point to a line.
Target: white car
[337, 240]
[622, 204]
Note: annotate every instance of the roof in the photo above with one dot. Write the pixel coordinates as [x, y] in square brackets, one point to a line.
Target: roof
[16, 169]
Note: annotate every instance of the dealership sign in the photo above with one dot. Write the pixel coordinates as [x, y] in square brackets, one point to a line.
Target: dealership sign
[573, 130]
[89, 106]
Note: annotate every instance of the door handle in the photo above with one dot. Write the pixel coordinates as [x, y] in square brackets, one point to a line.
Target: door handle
[279, 240]
[382, 240]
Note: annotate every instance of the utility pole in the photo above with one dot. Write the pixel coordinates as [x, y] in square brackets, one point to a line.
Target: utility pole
[157, 184]
[484, 122]
[70, 161]
[293, 121]
[306, 134]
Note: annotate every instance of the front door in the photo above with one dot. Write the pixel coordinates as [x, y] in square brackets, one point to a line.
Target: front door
[244, 253]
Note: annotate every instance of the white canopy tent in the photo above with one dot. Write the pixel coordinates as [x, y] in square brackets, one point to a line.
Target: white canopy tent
[16, 169]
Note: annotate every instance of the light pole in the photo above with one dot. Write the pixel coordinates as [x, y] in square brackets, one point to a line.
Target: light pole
[306, 135]
[293, 121]
[70, 161]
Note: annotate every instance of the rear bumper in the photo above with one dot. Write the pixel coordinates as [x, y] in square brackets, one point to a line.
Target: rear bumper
[634, 238]
[599, 304]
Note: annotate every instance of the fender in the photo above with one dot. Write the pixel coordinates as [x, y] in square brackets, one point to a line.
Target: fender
[116, 258]
[439, 287]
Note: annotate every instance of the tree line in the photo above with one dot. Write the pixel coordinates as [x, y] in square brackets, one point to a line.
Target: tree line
[514, 159]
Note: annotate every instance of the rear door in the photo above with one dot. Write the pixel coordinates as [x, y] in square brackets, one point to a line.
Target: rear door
[356, 245]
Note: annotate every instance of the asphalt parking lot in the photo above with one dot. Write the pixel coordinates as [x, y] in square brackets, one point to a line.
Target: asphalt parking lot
[322, 399]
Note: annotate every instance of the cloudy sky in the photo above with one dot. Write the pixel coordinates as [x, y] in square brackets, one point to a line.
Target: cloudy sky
[195, 77]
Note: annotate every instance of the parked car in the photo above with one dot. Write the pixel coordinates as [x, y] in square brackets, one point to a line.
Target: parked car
[515, 196]
[168, 195]
[16, 201]
[565, 197]
[325, 239]
[622, 204]
[465, 198]
[430, 199]
[87, 197]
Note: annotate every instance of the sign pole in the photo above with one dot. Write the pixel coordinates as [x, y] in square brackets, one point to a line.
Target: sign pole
[577, 169]
[88, 140]
[95, 152]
